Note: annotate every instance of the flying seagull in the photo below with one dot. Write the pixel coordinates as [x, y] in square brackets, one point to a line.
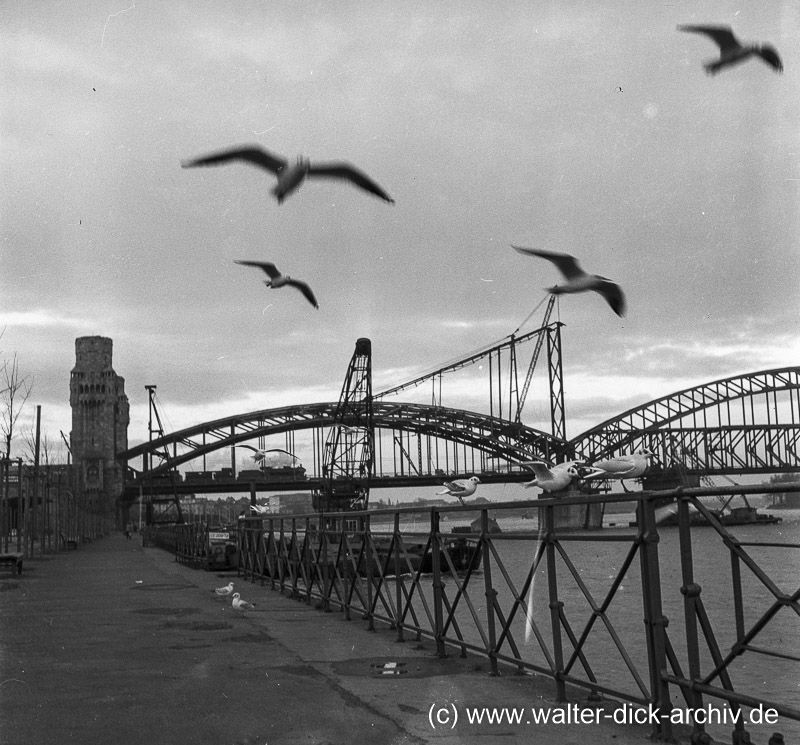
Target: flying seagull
[260, 455]
[289, 176]
[460, 489]
[224, 592]
[551, 479]
[241, 605]
[578, 280]
[622, 467]
[731, 51]
[276, 279]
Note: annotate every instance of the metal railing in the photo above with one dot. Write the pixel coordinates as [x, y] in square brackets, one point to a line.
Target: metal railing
[198, 544]
[552, 601]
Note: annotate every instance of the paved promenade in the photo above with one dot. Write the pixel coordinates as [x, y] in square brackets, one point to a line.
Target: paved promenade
[114, 643]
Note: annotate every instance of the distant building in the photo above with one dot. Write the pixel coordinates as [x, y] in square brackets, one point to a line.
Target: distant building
[100, 418]
[291, 504]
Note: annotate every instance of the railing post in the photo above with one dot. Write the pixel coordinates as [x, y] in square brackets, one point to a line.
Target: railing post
[438, 587]
[555, 603]
[368, 569]
[398, 578]
[326, 602]
[308, 560]
[690, 592]
[490, 593]
[654, 619]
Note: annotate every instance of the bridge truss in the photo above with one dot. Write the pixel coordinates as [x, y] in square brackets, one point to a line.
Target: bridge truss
[411, 440]
[738, 425]
[747, 424]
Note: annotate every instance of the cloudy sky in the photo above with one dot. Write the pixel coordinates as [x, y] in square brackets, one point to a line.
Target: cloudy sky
[585, 127]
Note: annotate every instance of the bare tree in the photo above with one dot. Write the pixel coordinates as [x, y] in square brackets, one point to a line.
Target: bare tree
[46, 447]
[16, 389]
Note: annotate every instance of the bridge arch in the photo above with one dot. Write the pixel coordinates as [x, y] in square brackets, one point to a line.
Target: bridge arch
[740, 424]
[491, 437]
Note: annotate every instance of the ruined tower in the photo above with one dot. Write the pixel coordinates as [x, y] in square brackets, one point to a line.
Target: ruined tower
[100, 416]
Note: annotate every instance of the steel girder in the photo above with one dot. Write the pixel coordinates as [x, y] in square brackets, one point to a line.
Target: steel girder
[494, 436]
[721, 437]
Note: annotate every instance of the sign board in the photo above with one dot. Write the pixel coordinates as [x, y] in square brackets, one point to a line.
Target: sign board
[219, 536]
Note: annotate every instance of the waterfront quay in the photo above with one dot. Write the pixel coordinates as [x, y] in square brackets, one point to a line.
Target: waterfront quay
[115, 642]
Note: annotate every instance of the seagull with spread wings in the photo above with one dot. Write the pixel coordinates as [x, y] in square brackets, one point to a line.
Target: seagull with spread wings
[290, 176]
[276, 279]
[260, 455]
[578, 280]
[551, 479]
[732, 51]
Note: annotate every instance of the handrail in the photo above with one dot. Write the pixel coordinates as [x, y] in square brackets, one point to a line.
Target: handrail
[537, 601]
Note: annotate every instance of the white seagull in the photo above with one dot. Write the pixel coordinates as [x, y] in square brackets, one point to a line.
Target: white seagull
[276, 279]
[241, 605]
[578, 280]
[551, 479]
[731, 51]
[289, 176]
[259, 454]
[622, 467]
[460, 489]
[224, 592]
[348, 429]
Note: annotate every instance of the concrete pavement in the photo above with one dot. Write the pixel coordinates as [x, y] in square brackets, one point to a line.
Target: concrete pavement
[115, 643]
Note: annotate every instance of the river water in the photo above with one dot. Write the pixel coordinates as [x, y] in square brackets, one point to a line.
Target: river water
[597, 564]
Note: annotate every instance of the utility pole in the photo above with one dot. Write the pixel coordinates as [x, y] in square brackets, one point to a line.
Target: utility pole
[36, 485]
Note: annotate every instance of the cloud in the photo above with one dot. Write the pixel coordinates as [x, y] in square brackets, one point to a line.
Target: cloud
[45, 318]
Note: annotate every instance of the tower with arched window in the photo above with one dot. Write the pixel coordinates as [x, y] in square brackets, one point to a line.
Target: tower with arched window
[100, 417]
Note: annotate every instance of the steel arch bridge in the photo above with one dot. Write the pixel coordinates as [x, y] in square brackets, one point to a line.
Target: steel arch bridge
[422, 438]
[745, 424]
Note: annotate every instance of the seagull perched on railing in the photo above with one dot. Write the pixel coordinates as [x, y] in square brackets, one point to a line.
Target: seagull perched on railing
[622, 467]
[224, 592]
[460, 489]
[276, 279]
[551, 479]
[578, 280]
[731, 51]
[241, 605]
[290, 176]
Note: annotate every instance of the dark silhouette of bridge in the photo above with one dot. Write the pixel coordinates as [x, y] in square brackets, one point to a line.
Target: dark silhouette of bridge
[746, 424]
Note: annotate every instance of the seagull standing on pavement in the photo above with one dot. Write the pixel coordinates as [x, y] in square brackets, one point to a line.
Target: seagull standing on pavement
[622, 467]
[551, 479]
[732, 51]
[276, 279]
[460, 489]
[241, 605]
[224, 592]
[578, 280]
[290, 176]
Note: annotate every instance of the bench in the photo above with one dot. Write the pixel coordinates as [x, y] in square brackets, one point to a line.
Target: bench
[12, 560]
[68, 542]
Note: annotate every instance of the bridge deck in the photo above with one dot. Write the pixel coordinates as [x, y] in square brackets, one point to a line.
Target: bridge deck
[116, 641]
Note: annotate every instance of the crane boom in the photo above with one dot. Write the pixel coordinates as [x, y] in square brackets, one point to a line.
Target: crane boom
[534, 359]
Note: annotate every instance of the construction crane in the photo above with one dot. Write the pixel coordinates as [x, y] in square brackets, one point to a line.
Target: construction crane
[348, 462]
[165, 457]
[534, 359]
[506, 401]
